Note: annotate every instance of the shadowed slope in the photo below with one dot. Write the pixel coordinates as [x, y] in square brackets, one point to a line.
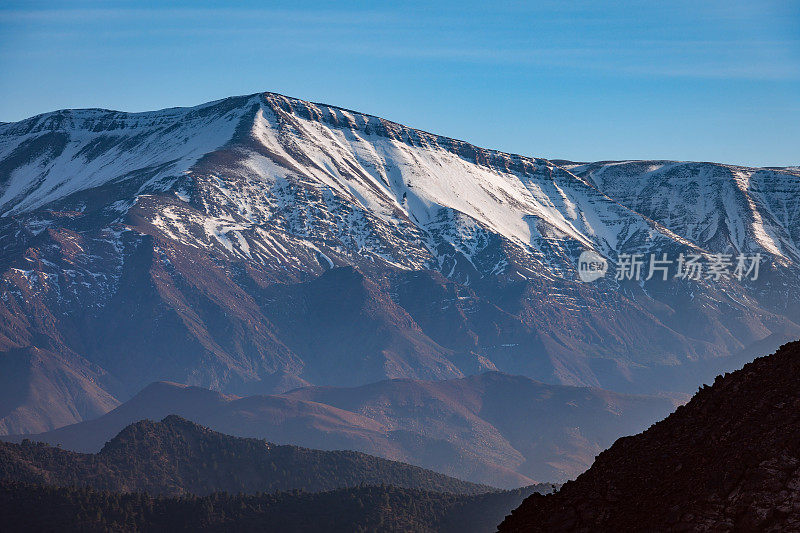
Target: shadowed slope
[727, 460]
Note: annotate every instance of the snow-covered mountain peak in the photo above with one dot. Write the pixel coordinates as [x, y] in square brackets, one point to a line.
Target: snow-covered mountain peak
[267, 159]
[386, 167]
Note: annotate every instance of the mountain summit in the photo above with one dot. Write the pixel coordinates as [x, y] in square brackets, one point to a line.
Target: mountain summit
[260, 243]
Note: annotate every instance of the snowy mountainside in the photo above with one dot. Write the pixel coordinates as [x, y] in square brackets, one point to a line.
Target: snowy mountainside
[50, 156]
[259, 243]
[712, 205]
[376, 177]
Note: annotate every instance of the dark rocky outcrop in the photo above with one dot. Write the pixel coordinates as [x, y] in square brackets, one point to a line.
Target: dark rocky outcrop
[729, 460]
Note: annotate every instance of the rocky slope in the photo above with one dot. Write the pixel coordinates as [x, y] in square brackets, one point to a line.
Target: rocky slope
[729, 460]
[259, 243]
[467, 428]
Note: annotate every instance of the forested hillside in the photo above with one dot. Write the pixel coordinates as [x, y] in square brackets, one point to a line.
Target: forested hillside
[360, 509]
[176, 456]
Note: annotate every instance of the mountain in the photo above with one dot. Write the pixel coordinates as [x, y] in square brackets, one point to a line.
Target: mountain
[260, 243]
[467, 428]
[176, 475]
[729, 460]
[175, 457]
[27, 507]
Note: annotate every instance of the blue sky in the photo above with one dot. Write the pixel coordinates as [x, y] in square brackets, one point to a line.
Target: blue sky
[578, 80]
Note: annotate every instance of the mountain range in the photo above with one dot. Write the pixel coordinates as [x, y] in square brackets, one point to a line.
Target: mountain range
[469, 428]
[259, 244]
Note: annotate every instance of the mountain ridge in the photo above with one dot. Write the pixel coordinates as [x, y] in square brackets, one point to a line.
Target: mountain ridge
[463, 427]
[177, 457]
[175, 474]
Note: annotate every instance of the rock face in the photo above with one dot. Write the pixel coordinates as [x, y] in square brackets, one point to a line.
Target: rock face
[259, 243]
[468, 428]
[729, 460]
